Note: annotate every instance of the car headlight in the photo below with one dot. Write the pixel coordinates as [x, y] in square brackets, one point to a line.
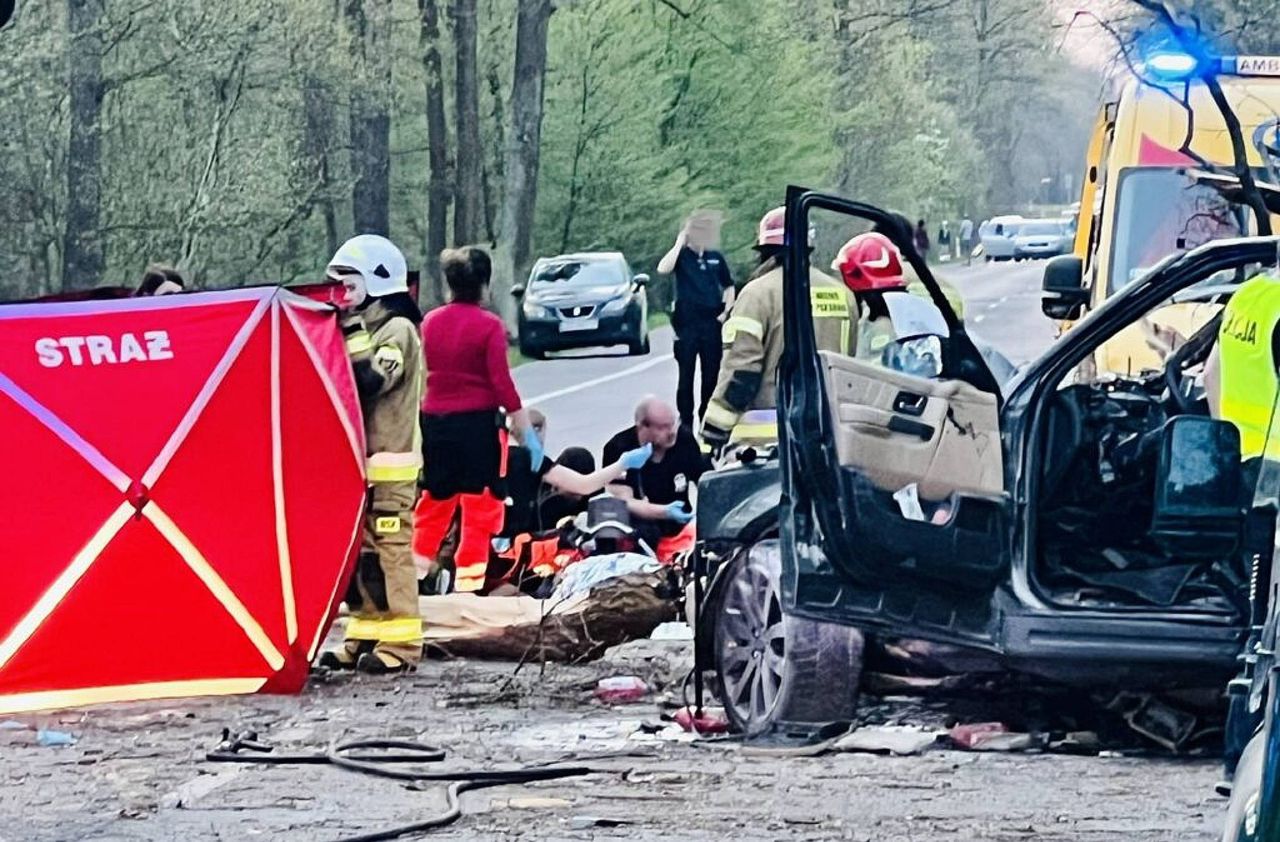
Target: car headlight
[617, 305]
[533, 310]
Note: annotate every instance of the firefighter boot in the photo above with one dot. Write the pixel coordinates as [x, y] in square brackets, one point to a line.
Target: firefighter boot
[381, 662]
[346, 656]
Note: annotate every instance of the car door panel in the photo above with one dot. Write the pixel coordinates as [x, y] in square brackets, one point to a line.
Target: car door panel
[896, 429]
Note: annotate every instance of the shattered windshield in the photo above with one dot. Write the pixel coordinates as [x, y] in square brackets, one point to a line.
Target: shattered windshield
[580, 273]
[1161, 212]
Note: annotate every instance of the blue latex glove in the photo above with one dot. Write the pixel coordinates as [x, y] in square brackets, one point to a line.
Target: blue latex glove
[676, 512]
[533, 444]
[634, 460]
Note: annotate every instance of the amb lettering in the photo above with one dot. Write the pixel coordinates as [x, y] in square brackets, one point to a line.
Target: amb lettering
[151, 346]
[1241, 329]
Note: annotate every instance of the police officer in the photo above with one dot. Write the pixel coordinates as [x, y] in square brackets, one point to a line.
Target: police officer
[753, 335]
[703, 293]
[1240, 376]
[384, 634]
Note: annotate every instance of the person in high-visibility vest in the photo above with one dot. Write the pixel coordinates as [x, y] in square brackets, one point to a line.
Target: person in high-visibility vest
[380, 322]
[1241, 374]
[752, 337]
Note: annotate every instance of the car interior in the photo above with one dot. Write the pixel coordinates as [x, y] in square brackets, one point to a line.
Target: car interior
[1133, 479]
[1142, 500]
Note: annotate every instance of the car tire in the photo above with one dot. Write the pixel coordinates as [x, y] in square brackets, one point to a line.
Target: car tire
[776, 672]
[533, 352]
[640, 347]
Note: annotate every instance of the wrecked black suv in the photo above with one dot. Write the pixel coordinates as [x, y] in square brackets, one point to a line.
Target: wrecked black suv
[1090, 532]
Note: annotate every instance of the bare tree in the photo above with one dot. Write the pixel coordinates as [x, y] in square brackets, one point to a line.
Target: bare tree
[439, 189]
[370, 22]
[525, 140]
[83, 257]
[469, 187]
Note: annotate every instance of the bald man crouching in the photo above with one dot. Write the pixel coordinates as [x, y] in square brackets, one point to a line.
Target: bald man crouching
[660, 496]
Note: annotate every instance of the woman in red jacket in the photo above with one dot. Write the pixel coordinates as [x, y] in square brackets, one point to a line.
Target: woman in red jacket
[470, 399]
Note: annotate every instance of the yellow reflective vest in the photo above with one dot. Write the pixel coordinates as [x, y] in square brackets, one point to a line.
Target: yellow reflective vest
[1248, 388]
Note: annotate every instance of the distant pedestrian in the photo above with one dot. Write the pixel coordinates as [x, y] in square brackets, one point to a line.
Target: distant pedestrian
[703, 294]
[944, 241]
[922, 240]
[966, 239]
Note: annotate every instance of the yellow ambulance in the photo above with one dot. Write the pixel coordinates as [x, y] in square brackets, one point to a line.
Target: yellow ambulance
[1141, 201]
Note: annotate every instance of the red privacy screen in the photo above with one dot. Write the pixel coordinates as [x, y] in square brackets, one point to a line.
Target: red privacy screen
[183, 489]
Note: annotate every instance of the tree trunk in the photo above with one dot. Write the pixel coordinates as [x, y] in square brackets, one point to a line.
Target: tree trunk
[524, 144]
[316, 145]
[83, 258]
[439, 193]
[370, 22]
[469, 190]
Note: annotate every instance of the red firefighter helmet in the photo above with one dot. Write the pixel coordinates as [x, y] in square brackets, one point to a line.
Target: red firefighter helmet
[772, 229]
[869, 263]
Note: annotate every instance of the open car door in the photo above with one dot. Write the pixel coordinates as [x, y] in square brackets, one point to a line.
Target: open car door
[894, 513]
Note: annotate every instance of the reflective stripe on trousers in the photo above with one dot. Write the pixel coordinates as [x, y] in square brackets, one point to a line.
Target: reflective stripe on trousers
[396, 630]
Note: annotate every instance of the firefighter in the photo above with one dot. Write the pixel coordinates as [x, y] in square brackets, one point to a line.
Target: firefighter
[899, 330]
[380, 323]
[753, 336]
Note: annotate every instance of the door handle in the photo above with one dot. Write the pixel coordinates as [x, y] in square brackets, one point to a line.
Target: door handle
[910, 403]
[898, 424]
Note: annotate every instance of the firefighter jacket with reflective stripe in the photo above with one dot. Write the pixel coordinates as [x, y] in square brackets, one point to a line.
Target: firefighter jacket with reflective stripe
[387, 356]
[753, 337]
[1249, 388]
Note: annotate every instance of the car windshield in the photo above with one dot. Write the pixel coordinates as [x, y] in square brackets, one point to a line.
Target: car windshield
[1161, 212]
[1040, 229]
[579, 273]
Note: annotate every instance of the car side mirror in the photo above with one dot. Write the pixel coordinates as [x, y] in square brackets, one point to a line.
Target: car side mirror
[1065, 296]
[1198, 510]
[517, 291]
[641, 280]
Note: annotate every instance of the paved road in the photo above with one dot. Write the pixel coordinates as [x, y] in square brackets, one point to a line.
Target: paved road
[588, 398]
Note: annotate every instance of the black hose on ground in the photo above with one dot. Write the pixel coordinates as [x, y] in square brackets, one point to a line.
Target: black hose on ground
[373, 757]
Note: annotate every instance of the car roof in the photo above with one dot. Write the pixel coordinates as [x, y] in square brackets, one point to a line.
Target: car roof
[584, 256]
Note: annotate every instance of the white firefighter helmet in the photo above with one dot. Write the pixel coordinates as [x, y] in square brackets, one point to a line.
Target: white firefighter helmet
[377, 262]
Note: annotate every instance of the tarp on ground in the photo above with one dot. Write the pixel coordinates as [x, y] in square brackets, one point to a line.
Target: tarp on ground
[182, 494]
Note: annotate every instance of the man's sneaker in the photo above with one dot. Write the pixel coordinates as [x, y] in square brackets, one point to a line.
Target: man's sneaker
[382, 663]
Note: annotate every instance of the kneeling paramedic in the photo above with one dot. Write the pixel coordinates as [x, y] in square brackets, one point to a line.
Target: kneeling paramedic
[753, 339]
[899, 330]
[380, 322]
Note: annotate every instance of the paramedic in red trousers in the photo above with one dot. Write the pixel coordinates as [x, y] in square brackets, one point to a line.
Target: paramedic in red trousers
[380, 323]
[464, 431]
[703, 293]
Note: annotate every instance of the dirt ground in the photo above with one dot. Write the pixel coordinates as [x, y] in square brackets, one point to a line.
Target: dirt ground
[138, 772]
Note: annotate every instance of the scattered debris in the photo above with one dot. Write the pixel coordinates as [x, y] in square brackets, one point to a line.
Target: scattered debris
[968, 736]
[672, 631]
[712, 721]
[994, 736]
[621, 689]
[899, 740]
[14, 725]
[52, 739]
[585, 822]
[535, 803]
